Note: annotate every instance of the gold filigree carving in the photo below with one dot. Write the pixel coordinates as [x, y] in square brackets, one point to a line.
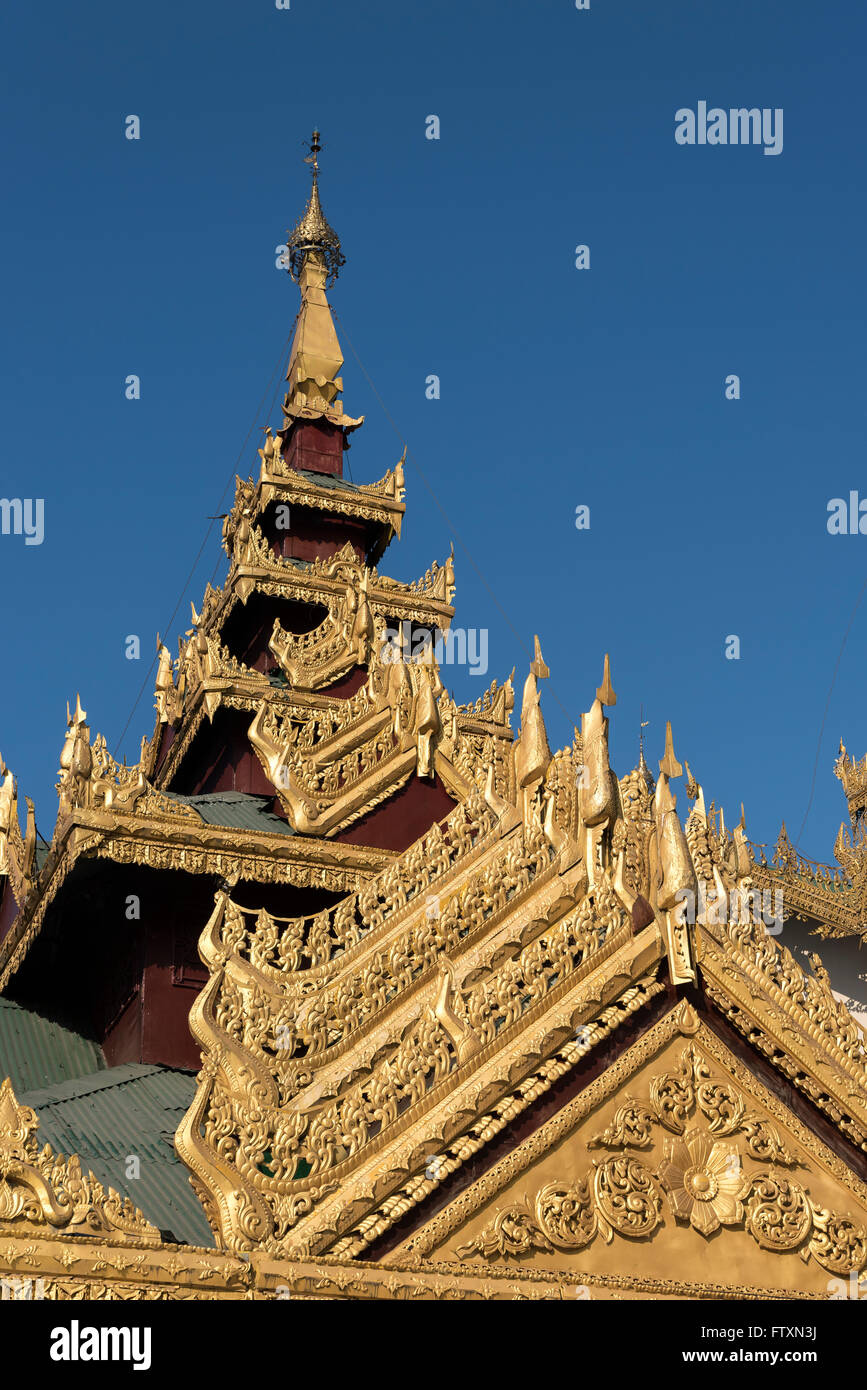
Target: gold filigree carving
[676, 1095]
[39, 1189]
[702, 1180]
[17, 852]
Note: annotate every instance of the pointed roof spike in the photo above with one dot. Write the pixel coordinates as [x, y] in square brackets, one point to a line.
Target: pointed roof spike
[537, 665]
[669, 766]
[605, 693]
[80, 714]
[645, 771]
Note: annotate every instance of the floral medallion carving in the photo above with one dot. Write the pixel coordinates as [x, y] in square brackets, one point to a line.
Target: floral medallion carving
[700, 1181]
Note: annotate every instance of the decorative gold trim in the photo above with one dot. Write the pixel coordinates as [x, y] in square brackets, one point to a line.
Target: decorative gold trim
[680, 1020]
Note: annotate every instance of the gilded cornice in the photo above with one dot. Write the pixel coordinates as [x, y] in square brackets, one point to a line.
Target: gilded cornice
[96, 1271]
[831, 896]
[358, 603]
[305, 953]
[181, 840]
[254, 566]
[381, 502]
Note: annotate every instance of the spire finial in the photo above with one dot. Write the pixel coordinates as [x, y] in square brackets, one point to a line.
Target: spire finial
[642, 761]
[312, 158]
[642, 725]
[313, 233]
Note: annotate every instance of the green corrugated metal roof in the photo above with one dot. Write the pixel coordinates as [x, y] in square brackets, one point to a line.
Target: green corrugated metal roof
[236, 811]
[131, 1110]
[35, 1051]
[329, 481]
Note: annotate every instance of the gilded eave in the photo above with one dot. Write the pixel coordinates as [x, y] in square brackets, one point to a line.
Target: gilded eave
[831, 896]
[258, 569]
[380, 503]
[180, 839]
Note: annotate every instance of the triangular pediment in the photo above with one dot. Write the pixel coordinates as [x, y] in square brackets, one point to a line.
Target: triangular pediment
[674, 1173]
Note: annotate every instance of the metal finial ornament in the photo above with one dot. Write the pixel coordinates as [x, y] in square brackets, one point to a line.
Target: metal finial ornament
[314, 147]
[313, 232]
[642, 761]
[642, 725]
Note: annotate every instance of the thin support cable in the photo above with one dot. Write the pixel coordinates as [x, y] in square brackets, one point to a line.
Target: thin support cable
[449, 523]
[207, 536]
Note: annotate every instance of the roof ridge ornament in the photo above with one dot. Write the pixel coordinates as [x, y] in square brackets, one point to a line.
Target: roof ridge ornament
[537, 665]
[668, 765]
[313, 232]
[605, 693]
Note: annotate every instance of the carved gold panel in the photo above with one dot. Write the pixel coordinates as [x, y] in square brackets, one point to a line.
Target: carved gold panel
[676, 1161]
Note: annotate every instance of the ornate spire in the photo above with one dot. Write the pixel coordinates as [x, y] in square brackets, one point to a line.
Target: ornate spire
[313, 232]
[316, 359]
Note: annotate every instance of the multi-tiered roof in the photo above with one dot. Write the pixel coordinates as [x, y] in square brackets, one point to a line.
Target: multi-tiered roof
[463, 1023]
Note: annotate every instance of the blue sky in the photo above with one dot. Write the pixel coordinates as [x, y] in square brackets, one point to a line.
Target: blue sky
[559, 386]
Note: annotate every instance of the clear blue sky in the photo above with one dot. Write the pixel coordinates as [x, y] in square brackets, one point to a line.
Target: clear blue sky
[559, 386]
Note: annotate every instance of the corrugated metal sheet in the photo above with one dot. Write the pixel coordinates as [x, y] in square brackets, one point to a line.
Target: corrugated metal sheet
[328, 481]
[35, 1051]
[124, 1112]
[236, 811]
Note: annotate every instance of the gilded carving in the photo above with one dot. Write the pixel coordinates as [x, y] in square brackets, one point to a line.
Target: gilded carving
[40, 1189]
[704, 1181]
[357, 1057]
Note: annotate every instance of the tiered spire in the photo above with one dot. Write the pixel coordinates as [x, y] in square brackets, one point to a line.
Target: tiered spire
[314, 258]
